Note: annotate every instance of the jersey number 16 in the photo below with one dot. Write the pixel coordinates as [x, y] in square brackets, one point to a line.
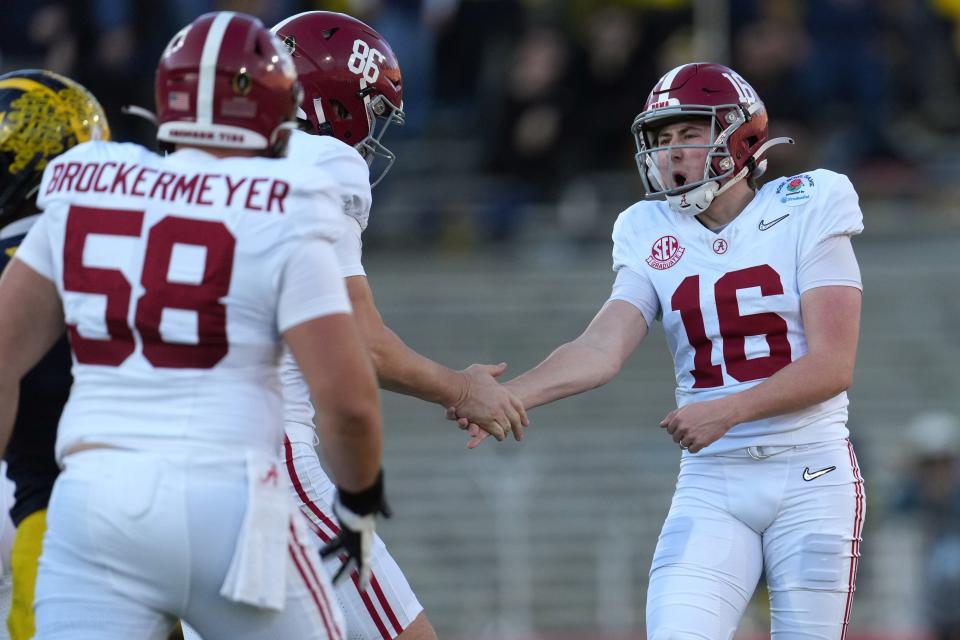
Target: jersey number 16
[734, 327]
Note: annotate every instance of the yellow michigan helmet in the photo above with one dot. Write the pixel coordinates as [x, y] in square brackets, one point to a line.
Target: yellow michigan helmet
[42, 114]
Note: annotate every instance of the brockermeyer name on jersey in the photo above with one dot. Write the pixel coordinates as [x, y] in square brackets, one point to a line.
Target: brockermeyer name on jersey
[266, 194]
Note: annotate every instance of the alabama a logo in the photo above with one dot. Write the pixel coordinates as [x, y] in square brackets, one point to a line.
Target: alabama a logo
[665, 253]
[795, 190]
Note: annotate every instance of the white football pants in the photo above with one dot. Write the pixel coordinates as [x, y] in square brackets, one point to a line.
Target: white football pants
[795, 513]
[135, 541]
[388, 605]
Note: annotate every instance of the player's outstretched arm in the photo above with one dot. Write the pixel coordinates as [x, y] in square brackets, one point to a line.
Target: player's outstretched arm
[31, 321]
[831, 319]
[474, 390]
[587, 362]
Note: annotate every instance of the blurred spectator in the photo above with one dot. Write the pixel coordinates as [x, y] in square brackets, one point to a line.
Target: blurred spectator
[411, 27]
[530, 135]
[770, 49]
[40, 35]
[932, 493]
[471, 54]
[611, 81]
[845, 83]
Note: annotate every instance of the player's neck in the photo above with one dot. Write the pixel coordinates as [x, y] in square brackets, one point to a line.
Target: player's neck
[727, 206]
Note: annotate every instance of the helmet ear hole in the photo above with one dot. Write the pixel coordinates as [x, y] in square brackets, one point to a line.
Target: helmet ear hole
[342, 112]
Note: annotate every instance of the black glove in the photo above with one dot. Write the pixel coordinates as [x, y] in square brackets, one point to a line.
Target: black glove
[357, 513]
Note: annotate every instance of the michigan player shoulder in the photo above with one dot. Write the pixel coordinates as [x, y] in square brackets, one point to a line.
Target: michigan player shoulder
[344, 163]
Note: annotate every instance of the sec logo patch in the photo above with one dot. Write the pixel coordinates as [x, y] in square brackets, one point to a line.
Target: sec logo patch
[665, 252]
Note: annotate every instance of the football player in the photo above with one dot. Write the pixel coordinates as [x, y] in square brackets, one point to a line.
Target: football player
[353, 92]
[42, 114]
[759, 293]
[179, 279]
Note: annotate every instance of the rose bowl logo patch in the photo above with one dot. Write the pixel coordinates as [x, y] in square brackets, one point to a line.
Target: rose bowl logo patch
[795, 190]
[665, 252]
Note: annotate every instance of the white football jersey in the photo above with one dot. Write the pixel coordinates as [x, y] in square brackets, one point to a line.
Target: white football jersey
[730, 301]
[352, 176]
[178, 275]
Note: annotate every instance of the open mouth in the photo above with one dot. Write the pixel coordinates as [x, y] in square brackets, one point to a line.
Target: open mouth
[679, 179]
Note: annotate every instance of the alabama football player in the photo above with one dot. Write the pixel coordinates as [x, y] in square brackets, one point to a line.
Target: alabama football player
[759, 293]
[179, 279]
[353, 92]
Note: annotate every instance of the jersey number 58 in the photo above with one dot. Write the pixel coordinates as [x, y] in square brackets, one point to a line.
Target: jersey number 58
[159, 292]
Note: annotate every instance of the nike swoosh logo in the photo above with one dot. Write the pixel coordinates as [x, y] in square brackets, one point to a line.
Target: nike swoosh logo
[763, 226]
[808, 475]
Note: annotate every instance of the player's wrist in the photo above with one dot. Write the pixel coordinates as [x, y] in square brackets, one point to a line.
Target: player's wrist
[459, 391]
[735, 410]
[365, 501]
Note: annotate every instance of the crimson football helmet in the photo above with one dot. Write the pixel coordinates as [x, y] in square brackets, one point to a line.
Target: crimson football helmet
[353, 89]
[739, 134]
[225, 81]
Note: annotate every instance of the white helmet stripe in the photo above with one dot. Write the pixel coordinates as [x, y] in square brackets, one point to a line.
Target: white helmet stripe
[280, 25]
[666, 82]
[208, 66]
[318, 109]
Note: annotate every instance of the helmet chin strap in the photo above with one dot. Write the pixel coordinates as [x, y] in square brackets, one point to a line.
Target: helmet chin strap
[696, 201]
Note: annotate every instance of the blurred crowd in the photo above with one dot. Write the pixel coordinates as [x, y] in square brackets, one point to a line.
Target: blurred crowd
[541, 93]
[930, 493]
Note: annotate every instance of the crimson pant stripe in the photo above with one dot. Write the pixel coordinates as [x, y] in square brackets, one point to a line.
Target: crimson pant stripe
[313, 594]
[298, 487]
[855, 543]
[312, 569]
[364, 596]
[386, 605]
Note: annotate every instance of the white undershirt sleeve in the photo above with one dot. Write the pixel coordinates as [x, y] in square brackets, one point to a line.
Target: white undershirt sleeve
[349, 248]
[637, 289]
[311, 285]
[830, 263]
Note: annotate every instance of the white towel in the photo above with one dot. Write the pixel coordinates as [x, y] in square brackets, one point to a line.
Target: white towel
[257, 573]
